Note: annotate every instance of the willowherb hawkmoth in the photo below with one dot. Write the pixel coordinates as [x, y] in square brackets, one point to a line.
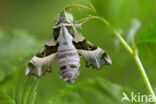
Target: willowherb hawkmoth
[66, 45]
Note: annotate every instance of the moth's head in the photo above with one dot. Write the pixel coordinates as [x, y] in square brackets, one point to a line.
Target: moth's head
[64, 18]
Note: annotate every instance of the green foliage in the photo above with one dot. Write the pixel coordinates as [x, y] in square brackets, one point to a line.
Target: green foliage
[21, 91]
[146, 44]
[92, 91]
[121, 12]
[5, 99]
[148, 35]
[15, 47]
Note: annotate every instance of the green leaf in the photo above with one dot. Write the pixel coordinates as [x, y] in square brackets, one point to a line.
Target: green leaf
[148, 35]
[5, 99]
[147, 51]
[147, 54]
[15, 48]
[97, 91]
[22, 90]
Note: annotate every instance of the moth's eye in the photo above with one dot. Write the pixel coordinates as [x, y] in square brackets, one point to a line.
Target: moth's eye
[63, 67]
[73, 66]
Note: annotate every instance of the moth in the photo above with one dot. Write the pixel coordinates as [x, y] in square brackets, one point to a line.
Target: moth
[66, 46]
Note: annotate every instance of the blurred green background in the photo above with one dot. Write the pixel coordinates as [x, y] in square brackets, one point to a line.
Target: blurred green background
[26, 24]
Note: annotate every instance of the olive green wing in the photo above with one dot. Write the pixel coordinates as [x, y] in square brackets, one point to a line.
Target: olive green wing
[41, 62]
[39, 66]
[93, 55]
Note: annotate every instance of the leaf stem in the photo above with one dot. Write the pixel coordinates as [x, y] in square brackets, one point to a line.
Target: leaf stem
[124, 43]
[79, 6]
[130, 50]
[145, 77]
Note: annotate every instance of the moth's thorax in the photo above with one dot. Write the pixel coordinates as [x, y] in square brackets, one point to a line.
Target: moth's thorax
[64, 37]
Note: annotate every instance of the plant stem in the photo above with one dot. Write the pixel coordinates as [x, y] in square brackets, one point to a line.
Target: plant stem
[124, 43]
[145, 77]
[134, 54]
[130, 50]
[79, 6]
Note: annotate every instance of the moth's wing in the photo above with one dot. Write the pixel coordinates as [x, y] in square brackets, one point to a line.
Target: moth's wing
[39, 66]
[41, 62]
[53, 38]
[94, 56]
[77, 37]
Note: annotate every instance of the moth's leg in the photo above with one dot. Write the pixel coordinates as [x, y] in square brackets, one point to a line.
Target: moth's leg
[81, 22]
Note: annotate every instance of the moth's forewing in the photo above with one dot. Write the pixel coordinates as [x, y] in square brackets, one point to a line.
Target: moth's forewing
[38, 66]
[94, 56]
[52, 39]
[76, 36]
[41, 62]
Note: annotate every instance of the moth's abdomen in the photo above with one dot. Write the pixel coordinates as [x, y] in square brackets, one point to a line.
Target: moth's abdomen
[68, 61]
